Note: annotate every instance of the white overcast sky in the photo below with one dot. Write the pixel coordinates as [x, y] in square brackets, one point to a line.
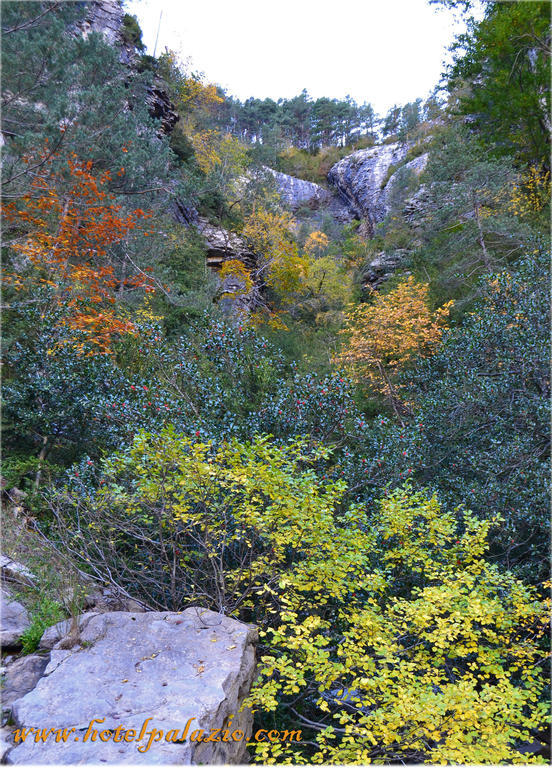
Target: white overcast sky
[380, 51]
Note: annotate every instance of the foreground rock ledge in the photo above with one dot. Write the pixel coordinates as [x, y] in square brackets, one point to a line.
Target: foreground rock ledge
[127, 667]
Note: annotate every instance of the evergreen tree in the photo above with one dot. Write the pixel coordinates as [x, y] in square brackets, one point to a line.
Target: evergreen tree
[501, 77]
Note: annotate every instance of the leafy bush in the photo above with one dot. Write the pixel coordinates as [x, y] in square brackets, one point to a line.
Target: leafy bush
[177, 521]
[48, 612]
[484, 402]
[132, 32]
[409, 647]
[388, 638]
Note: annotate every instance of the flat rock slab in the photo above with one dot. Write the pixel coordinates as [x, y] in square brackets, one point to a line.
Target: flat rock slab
[127, 667]
[14, 620]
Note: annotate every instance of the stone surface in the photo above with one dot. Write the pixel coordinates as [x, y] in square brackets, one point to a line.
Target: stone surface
[223, 245]
[106, 17]
[416, 166]
[20, 677]
[14, 571]
[382, 266]
[169, 667]
[161, 107]
[359, 179]
[14, 620]
[298, 193]
[5, 742]
[54, 634]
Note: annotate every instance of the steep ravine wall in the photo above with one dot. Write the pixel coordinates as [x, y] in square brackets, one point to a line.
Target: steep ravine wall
[363, 182]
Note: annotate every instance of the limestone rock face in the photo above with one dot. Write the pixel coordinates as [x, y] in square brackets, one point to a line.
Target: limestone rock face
[14, 620]
[127, 667]
[223, 245]
[382, 266]
[359, 177]
[106, 17]
[363, 180]
[415, 167]
[298, 193]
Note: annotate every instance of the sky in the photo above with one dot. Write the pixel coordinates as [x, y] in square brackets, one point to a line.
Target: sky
[384, 52]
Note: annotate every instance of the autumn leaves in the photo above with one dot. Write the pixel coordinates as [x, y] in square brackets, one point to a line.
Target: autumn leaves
[383, 335]
[69, 230]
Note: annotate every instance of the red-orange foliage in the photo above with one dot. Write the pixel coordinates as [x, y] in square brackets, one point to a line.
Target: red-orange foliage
[66, 227]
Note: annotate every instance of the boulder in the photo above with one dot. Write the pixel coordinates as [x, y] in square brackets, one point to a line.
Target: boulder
[58, 632]
[143, 671]
[20, 677]
[14, 620]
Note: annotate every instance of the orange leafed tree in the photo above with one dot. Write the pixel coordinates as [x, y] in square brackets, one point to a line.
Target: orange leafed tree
[64, 230]
[385, 334]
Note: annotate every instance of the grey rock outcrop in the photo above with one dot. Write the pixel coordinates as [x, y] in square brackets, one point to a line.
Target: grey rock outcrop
[196, 666]
[381, 267]
[223, 245]
[363, 181]
[298, 193]
[14, 620]
[106, 17]
[392, 195]
[359, 178]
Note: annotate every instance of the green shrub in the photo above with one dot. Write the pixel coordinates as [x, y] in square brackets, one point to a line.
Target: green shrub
[132, 32]
[47, 612]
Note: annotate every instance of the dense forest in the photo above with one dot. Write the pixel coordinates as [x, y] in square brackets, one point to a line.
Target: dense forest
[357, 465]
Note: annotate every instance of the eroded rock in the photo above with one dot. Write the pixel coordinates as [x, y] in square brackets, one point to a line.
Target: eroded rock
[382, 266]
[192, 666]
[298, 193]
[14, 620]
[13, 571]
[20, 677]
[360, 179]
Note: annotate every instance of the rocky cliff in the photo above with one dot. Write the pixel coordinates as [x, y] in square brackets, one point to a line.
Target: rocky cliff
[106, 17]
[298, 193]
[364, 182]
